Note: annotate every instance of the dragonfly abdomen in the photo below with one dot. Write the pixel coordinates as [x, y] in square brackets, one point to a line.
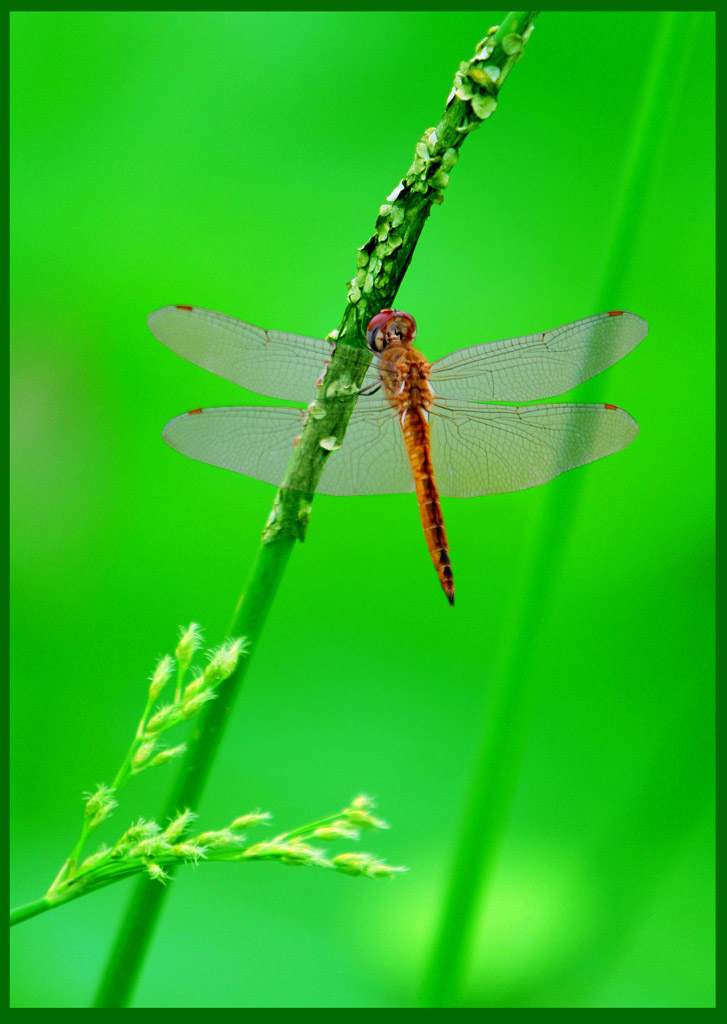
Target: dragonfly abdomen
[416, 436]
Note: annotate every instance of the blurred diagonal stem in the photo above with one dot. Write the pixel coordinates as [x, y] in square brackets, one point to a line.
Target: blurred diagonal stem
[381, 265]
[513, 691]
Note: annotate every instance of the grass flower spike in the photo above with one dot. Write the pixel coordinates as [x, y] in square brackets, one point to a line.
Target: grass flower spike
[147, 848]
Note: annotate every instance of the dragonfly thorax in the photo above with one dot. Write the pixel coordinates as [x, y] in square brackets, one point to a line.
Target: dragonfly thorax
[404, 372]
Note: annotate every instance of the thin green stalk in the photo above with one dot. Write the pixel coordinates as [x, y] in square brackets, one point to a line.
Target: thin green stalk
[91, 817]
[382, 263]
[70, 865]
[515, 686]
[45, 903]
[29, 910]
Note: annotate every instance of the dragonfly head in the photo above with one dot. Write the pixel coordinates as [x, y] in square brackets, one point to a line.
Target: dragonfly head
[390, 327]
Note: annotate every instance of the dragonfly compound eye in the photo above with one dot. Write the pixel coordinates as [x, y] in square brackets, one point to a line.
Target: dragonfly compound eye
[390, 325]
[406, 325]
[375, 337]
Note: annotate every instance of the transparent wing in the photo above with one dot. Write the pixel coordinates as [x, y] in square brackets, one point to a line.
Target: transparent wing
[476, 449]
[267, 362]
[538, 365]
[258, 442]
[479, 449]
[373, 457]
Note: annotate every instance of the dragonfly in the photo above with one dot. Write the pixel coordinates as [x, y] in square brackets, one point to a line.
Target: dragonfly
[446, 428]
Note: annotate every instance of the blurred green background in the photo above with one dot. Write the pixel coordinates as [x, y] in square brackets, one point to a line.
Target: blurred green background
[235, 161]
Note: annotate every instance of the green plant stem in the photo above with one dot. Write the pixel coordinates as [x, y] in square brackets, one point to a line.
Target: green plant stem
[125, 769]
[77, 849]
[515, 691]
[130, 948]
[383, 261]
[29, 910]
[69, 868]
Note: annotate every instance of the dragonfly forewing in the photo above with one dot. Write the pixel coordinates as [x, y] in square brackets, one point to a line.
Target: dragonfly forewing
[538, 366]
[270, 363]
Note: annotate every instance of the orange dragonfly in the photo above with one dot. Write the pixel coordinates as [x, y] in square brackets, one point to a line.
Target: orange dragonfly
[417, 426]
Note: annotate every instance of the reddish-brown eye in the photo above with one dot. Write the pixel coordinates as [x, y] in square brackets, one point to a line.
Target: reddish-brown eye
[409, 322]
[402, 325]
[373, 337]
[379, 320]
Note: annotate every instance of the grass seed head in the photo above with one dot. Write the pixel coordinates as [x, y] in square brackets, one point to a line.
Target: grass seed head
[99, 805]
[162, 675]
[353, 863]
[142, 755]
[164, 719]
[194, 705]
[251, 820]
[224, 659]
[224, 838]
[359, 813]
[190, 640]
[198, 684]
[178, 825]
[157, 872]
[298, 853]
[364, 864]
[101, 854]
[165, 756]
[337, 830]
[189, 851]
